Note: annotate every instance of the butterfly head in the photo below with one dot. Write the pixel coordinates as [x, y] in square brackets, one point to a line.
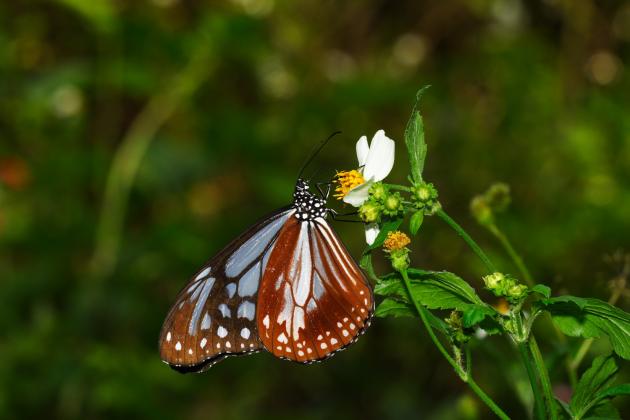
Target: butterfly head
[307, 206]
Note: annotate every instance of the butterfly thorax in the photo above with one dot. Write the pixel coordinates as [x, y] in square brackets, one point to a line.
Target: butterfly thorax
[307, 206]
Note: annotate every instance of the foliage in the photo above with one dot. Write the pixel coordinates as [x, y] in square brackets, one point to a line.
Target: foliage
[228, 98]
[414, 292]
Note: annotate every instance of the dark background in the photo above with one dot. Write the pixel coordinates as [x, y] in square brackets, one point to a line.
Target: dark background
[217, 104]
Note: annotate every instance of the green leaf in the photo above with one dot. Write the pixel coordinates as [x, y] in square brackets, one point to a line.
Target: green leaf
[623, 389]
[542, 289]
[562, 409]
[433, 289]
[386, 227]
[474, 314]
[595, 379]
[603, 411]
[416, 221]
[587, 317]
[414, 138]
[395, 308]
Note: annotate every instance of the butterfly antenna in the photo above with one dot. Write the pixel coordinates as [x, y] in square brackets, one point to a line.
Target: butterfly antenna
[315, 151]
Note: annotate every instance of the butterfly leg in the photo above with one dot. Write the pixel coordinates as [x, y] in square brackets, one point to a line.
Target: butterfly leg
[328, 186]
[337, 216]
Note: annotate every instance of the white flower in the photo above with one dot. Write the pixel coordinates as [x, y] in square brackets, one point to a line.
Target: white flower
[375, 163]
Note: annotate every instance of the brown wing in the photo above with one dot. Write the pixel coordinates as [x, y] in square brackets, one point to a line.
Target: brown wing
[313, 300]
[214, 316]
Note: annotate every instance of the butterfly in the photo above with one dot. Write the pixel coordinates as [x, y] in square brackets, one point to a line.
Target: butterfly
[287, 285]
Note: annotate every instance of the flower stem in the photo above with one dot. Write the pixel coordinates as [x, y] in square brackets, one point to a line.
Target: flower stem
[538, 378]
[471, 243]
[530, 366]
[130, 153]
[398, 187]
[516, 258]
[544, 377]
[464, 375]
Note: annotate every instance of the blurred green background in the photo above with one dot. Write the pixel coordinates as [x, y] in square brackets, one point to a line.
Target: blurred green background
[208, 109]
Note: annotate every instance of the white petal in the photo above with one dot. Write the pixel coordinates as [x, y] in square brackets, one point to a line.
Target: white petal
[362, 150]
[358, 195]
[380, 160]
[371, 232]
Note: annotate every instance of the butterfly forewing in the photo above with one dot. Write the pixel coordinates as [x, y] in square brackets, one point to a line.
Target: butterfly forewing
[314, 299]
[214, 316]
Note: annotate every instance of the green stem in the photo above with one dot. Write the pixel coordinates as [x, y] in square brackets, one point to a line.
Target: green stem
[132, 150]
[530, 366]
[466, 376]
[544, 377]
[538, 378]
[423, 316]
[398, 187]
[516, 258]
[471, 243]
[520, 264]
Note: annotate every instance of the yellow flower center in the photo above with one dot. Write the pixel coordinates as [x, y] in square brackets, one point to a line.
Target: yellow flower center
[396, 240]
[347, 180]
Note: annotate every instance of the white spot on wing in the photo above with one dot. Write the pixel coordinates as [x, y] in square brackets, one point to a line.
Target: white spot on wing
[301, 270]
[199, 305]
[245, 333]
[206, 321]
[203, 342]
[286, 314]
[230, 288]
[225, 311]
[222, 332]
[178, 346]
[203, 274]
[248, 284]
[266, 321]
[318, 287]
[168, 336]
[298, 322]
[312, 305]
[246, 310]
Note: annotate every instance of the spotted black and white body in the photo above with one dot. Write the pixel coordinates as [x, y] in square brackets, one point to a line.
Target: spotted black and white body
[307, 206]
[287, 285]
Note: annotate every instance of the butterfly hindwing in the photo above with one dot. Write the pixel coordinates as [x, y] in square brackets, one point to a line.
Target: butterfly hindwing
[314, 298]
[214, 316]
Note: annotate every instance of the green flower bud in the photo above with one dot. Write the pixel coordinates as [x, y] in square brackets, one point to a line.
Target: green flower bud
[392, 205]
[424, 195]
[378, 191]
[370, 212]
[481, 210]
[517, 292]
[400, 259]
[454, 320]
[498, 196]
[494, 281]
